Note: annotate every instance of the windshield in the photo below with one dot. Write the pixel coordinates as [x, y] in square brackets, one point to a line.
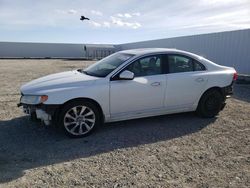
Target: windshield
[105, 66]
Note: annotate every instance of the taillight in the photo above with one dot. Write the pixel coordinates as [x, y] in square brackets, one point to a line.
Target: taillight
[235, 76]
[43, 98]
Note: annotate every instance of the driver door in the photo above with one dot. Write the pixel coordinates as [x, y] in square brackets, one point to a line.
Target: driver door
[143, 93]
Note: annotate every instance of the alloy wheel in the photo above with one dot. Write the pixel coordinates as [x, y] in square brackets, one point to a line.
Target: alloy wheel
[79, 120]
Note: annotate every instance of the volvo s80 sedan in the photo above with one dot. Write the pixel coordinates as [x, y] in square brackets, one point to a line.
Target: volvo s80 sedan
[126, 85]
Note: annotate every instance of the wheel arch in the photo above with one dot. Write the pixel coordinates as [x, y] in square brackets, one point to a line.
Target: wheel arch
[83, 99]
[219, 89]
[214, 88]
[201, 111]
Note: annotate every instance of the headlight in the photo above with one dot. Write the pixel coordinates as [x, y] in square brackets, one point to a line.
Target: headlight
[33, 99]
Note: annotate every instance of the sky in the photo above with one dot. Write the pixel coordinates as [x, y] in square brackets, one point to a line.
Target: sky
[116, 22]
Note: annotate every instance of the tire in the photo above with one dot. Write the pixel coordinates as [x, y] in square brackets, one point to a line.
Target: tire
[210, 104]
[79, 118]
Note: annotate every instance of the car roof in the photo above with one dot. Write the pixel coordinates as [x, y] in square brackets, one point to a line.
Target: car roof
[145, 51]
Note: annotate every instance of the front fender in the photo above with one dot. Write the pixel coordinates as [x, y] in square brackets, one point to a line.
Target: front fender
[99, 93]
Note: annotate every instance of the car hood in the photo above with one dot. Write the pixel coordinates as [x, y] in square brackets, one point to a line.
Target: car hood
[58, 82]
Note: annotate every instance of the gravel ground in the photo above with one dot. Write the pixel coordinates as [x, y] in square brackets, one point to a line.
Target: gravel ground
[178, 150]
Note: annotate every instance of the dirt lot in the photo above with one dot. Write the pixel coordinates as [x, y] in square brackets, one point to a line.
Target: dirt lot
[179, 150]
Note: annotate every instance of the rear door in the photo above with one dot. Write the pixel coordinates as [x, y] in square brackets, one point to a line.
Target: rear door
[186, 80]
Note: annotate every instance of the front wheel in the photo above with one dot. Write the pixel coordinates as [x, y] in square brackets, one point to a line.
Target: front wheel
[79, 118]
[210, 104]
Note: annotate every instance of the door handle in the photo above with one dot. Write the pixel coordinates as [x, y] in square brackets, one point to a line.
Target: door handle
[155, 84]
[199, 80]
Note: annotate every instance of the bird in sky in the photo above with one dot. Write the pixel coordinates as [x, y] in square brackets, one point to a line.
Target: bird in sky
[83, 18]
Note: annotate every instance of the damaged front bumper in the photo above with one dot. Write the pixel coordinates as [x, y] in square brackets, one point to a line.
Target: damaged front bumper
[42, 112]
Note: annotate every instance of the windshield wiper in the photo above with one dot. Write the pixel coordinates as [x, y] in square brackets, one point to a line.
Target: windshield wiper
[88, 73]
[82, 71]
[85, 72]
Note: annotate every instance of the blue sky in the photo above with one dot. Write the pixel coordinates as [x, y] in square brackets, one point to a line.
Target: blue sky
[114, 22]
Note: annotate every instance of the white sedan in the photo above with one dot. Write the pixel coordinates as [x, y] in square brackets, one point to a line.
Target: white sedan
[126, 85]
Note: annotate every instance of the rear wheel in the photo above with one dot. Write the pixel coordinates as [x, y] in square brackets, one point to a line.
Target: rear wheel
[79, 118]
[210, 104]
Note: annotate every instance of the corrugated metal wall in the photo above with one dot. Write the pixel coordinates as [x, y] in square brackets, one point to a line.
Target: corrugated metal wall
[40, 50]
[226, 48]
[230, 48]
[54, 50]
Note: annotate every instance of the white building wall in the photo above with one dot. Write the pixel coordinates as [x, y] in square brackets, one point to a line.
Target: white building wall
[40, 50]
[230, 48]
[54, 50]
[226, 48]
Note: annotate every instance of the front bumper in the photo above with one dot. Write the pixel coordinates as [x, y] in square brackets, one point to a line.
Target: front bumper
[43, 112]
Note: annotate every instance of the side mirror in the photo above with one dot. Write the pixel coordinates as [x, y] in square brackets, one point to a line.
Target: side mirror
[126, 75]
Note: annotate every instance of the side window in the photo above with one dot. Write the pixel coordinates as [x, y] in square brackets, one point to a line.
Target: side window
[146, 66]
[179, 63]
[198, 66]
